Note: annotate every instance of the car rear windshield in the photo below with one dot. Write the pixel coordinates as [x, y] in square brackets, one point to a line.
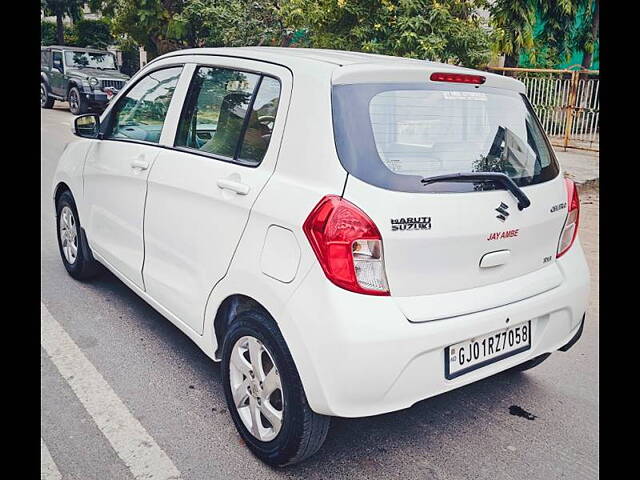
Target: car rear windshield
[395, 135]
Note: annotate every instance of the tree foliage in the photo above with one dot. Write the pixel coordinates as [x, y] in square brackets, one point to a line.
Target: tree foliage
[214, 23]
[93, 33]
[444, 30]
[47, 33]
[560, 34]
[60, 9]
[585, 36]
[513, 22]
[147, 22]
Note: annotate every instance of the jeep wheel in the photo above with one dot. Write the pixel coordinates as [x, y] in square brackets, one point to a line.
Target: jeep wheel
[45, 100]
[77, 102]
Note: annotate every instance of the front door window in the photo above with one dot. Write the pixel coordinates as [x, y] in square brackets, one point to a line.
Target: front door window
[140, 114]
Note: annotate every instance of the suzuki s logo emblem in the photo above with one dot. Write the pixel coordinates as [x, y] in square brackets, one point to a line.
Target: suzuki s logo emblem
[502, 211]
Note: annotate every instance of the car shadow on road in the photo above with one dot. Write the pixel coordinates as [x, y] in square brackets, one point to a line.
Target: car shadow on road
[360, 446]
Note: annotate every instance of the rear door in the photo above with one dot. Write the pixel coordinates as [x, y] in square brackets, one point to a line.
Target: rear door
[201, 191]
[448, 236]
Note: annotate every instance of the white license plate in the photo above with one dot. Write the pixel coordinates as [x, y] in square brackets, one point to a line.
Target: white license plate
[478, 352]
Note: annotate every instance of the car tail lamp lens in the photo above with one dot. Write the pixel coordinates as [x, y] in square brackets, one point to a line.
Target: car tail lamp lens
[348, 246]
[457, 78]
[570, 229]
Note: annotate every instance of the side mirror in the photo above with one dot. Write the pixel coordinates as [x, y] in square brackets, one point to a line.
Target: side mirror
[87, 126]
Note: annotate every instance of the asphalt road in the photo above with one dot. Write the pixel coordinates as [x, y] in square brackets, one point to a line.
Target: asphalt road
[173, 392]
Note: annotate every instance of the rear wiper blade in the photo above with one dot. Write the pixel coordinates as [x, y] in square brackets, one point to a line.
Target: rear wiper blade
[501, 178]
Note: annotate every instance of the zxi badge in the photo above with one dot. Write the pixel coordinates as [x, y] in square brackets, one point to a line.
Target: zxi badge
[502, 211]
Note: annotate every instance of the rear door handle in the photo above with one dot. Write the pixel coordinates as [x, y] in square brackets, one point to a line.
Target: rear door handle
[140, 163]
[238, 187]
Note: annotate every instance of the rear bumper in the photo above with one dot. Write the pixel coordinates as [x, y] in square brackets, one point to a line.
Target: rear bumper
[358, 355]
[575, 338]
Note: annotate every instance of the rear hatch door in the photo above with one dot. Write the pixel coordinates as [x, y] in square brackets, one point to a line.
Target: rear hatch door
[467, 240]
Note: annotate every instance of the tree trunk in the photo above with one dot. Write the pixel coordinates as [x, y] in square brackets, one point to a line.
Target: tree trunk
[285, 41]
[588, 56]
[510, 61]
[59, 29]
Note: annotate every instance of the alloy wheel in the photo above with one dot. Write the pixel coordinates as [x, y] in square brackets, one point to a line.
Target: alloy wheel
[257, 388]
[73, 102]
[68, 235]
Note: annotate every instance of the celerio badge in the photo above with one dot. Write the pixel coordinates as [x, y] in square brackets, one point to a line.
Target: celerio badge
[411, 223]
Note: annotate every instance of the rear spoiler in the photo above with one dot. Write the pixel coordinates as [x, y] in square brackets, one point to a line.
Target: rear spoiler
[418, 72]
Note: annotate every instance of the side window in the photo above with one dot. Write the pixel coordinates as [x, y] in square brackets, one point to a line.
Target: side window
[260, 125]
[213, 116]
[57, 61]
[224, 115]
[45, 58]
[140, 114]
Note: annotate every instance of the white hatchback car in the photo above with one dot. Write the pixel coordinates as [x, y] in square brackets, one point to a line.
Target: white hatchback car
[348, 233]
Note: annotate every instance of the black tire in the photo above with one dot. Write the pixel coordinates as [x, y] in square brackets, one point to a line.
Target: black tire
[45, 100]
[77, 103]
[303, 431]
[84, 266]
[530, 363]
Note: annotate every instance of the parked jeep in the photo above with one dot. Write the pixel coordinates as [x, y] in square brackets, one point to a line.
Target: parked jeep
[85, 77]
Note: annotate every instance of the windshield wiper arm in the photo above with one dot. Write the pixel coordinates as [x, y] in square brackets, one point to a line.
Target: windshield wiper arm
[501, 178]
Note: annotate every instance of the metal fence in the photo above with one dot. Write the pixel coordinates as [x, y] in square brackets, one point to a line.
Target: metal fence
[567, 103]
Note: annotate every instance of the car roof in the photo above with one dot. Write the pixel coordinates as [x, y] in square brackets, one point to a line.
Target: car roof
[354, 62]
[285, 55]
[75, 49]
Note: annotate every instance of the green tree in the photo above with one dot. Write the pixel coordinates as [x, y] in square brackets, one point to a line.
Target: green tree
[60, 8]
[94, 33]
[444, 30]
[558, 18]
[47, 33]
[147, 22]
[560, 34]
[512, 21]
[586, 35]
[568, 26]
[214, 23]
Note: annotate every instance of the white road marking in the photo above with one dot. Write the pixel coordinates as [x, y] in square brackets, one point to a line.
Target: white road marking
[129, 439]
[48, 469]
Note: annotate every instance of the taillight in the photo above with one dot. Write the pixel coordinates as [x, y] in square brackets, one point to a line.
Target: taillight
[570, 229]
[457, 78]
[348, 246]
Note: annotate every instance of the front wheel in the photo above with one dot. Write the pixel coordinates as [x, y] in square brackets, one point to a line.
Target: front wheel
[76, 256]
[264, 393]
[77, 103]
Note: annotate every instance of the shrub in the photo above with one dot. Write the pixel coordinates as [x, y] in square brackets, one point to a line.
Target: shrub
[47, 33]
[93, 33]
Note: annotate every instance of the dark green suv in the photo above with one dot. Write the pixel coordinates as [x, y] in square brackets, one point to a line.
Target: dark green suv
[85, 77]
